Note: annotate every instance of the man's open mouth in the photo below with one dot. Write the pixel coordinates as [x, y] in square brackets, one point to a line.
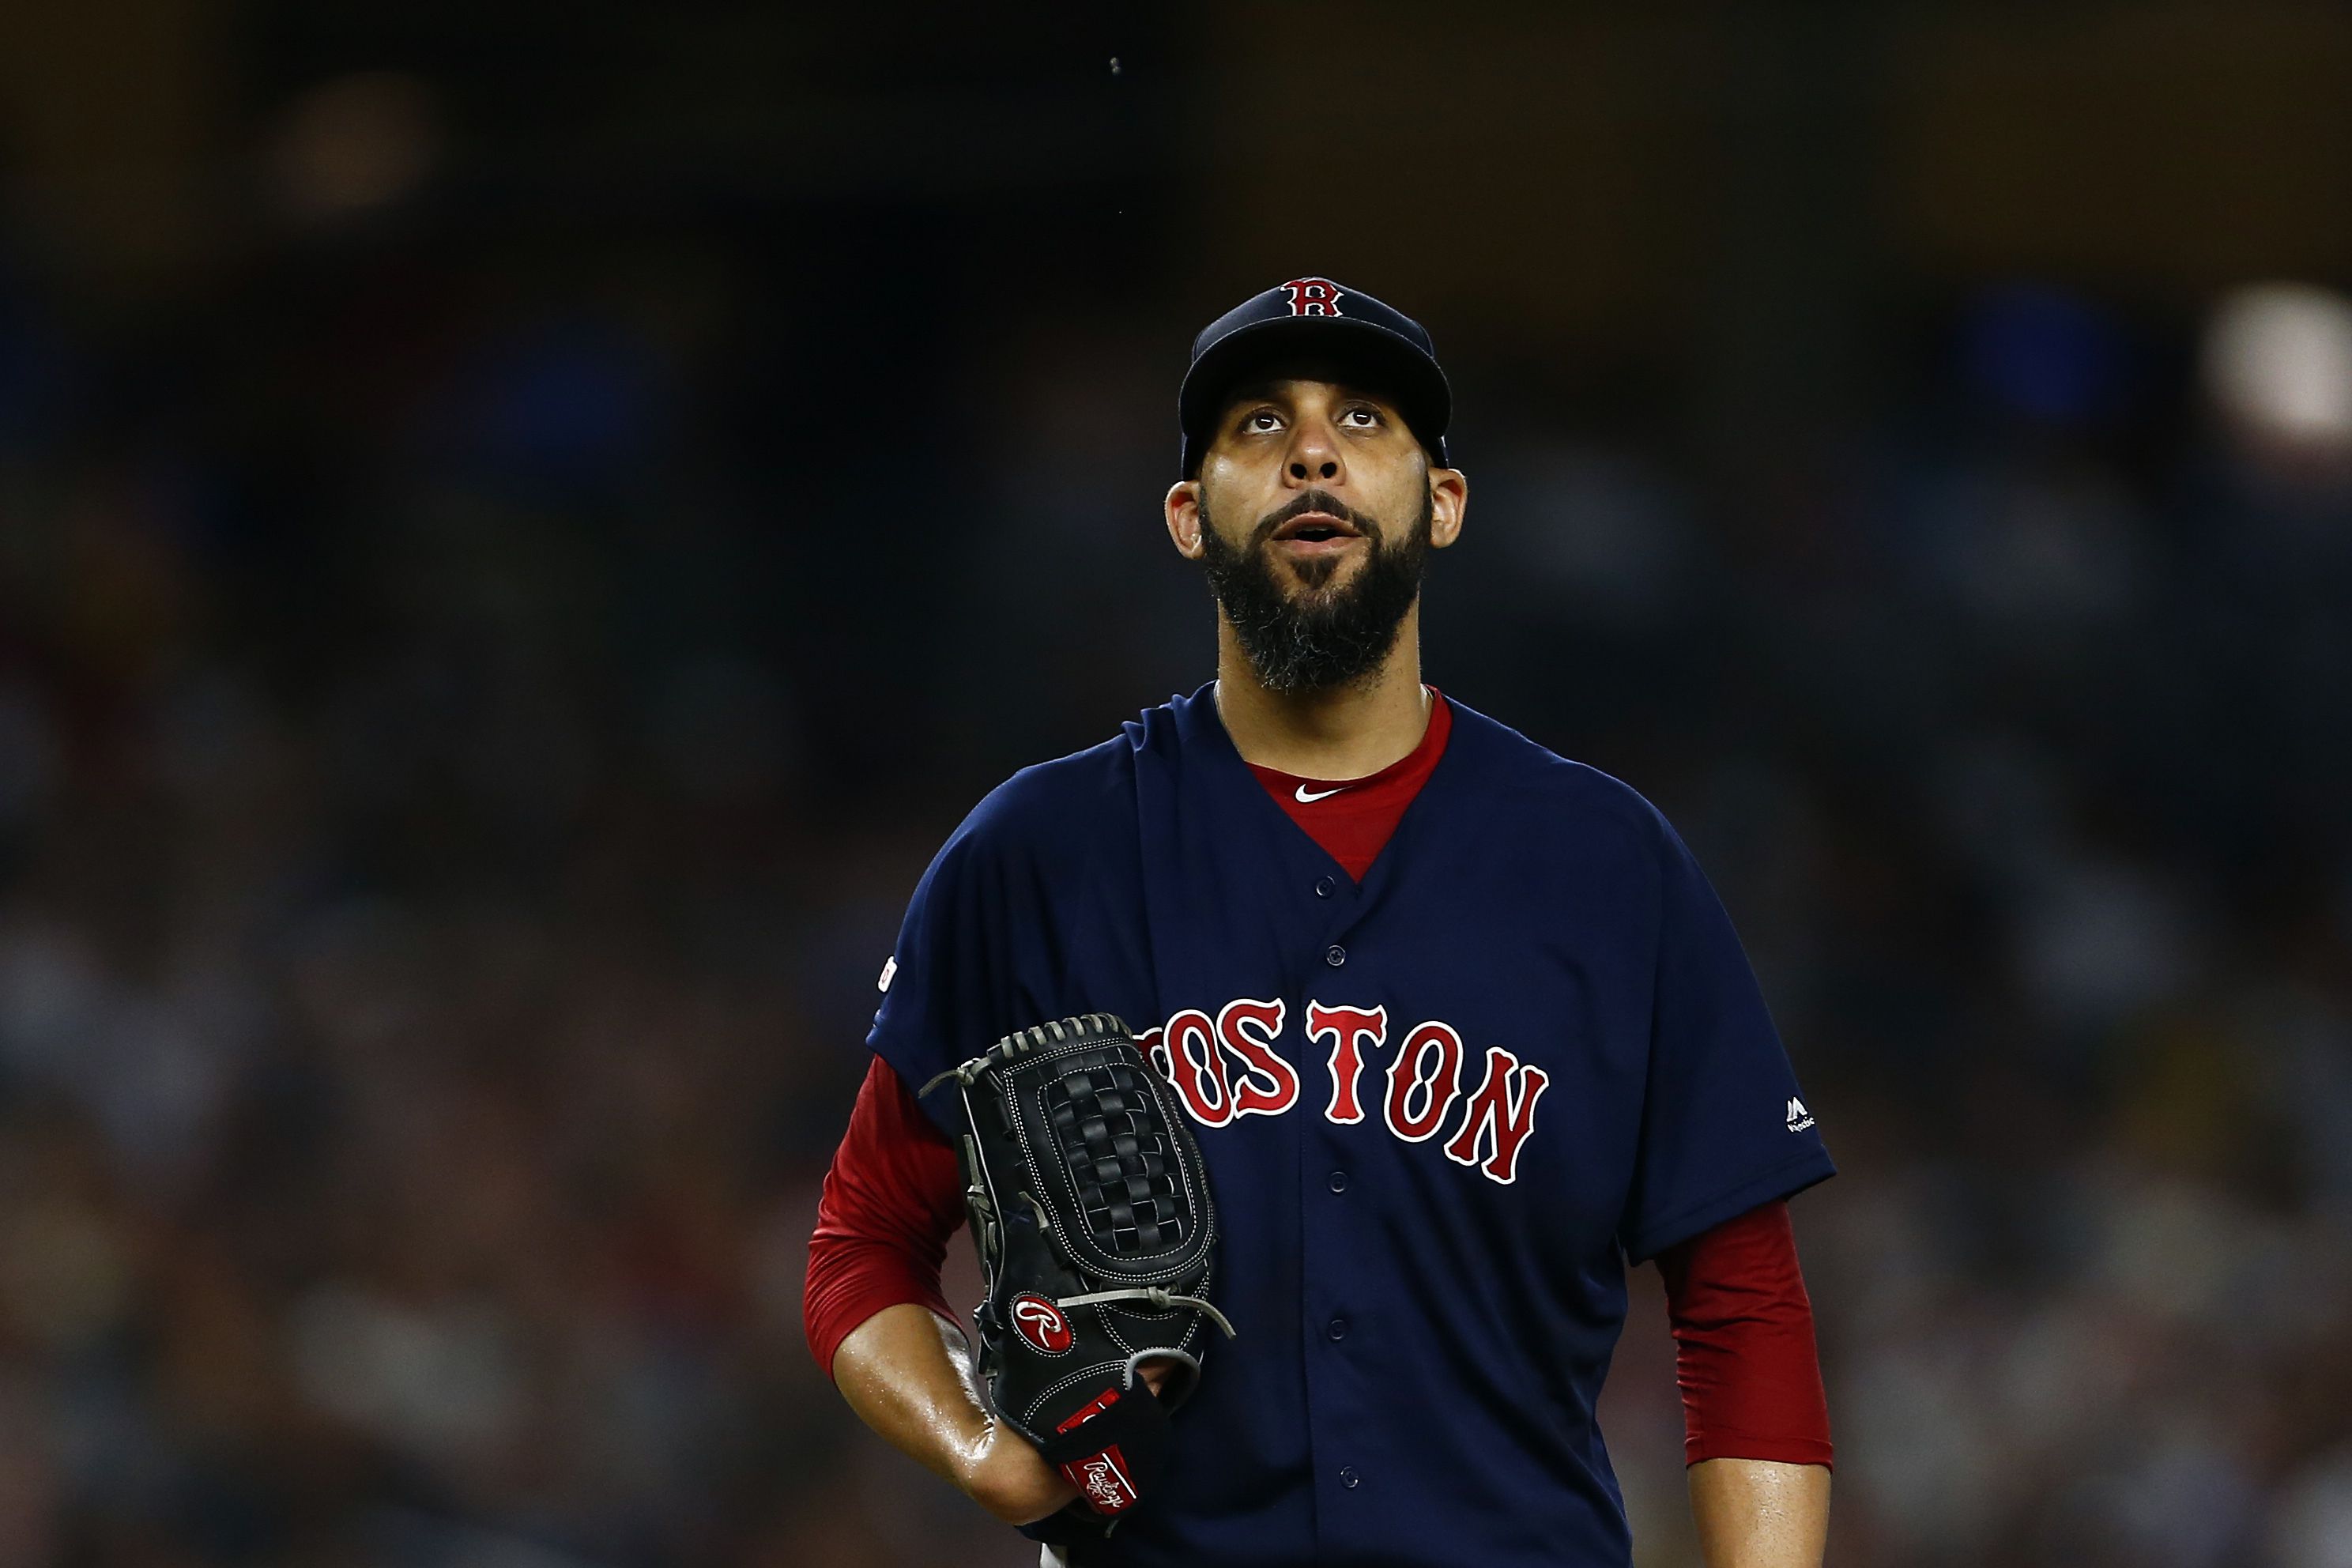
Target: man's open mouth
[1315, 527]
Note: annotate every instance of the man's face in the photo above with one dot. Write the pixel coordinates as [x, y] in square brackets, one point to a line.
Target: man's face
[1312, 515]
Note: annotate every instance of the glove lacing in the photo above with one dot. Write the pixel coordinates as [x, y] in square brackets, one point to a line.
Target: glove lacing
[1159, 1298]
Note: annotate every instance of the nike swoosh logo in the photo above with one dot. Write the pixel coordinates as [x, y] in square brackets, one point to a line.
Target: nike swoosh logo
[1308, 797]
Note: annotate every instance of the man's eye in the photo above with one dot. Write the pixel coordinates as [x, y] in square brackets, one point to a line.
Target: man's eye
[1264, 419]
[1366, 416]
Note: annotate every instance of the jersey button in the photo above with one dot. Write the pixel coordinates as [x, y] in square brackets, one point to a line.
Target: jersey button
[1336, 1327]
[1335, 955]
[1339, 1181]
[1323, 887]
[1348, 1477]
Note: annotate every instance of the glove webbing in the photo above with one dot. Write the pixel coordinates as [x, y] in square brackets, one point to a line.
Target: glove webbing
[1118, 1156]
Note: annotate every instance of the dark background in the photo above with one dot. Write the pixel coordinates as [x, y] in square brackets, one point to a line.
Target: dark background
[522, 526]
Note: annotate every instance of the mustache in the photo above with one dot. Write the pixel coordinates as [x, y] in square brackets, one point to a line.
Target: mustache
[1316, 500]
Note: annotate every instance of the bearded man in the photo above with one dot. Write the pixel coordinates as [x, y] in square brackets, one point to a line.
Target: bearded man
[1460, 1026]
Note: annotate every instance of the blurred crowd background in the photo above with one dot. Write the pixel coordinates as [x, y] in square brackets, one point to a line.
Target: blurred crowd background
[522, 526]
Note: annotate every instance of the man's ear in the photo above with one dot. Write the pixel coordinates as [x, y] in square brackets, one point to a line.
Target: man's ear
[1449, 498]
[1183, 508]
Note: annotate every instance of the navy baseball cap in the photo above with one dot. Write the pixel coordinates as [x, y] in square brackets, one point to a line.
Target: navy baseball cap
[1315, 316]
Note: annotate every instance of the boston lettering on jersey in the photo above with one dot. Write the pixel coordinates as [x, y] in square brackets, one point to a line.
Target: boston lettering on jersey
[1424, 1081]
[1442, 1108]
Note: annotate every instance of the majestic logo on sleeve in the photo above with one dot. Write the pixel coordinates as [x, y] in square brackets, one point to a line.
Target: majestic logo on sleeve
[1799, 1117]
[1313, 297]
[1041, 1322]
[1424, 1087]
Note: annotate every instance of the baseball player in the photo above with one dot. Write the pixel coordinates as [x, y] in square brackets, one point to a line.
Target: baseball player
[1459, 1026]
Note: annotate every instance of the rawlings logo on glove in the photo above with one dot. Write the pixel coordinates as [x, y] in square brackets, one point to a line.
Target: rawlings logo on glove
[1041, 1322]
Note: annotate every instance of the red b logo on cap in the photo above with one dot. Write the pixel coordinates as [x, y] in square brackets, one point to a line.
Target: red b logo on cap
[1041, 1322]
[1313, 297]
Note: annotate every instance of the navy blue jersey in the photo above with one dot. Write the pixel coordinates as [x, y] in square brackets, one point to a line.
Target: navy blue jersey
[1441, 1109]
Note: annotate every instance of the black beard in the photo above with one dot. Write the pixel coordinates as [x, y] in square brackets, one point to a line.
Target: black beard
[1327, 640]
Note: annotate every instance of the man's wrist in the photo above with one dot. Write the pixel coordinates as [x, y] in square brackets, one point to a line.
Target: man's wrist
[1004, 1474]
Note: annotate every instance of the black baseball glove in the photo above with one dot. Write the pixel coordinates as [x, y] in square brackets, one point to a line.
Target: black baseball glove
[1091, 1211]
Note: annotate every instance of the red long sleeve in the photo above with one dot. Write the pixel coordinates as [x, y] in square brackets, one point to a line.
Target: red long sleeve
[1744, 1350]
[891, 1201]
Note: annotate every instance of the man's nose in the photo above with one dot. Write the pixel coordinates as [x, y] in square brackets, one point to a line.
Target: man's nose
[1313, 453]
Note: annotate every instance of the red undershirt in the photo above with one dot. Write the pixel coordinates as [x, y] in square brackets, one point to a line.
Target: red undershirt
[1743, 1326]
[1353, 818]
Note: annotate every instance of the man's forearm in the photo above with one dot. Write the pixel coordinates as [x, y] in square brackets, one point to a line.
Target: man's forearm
[909, 1376]
[1759, 1513]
